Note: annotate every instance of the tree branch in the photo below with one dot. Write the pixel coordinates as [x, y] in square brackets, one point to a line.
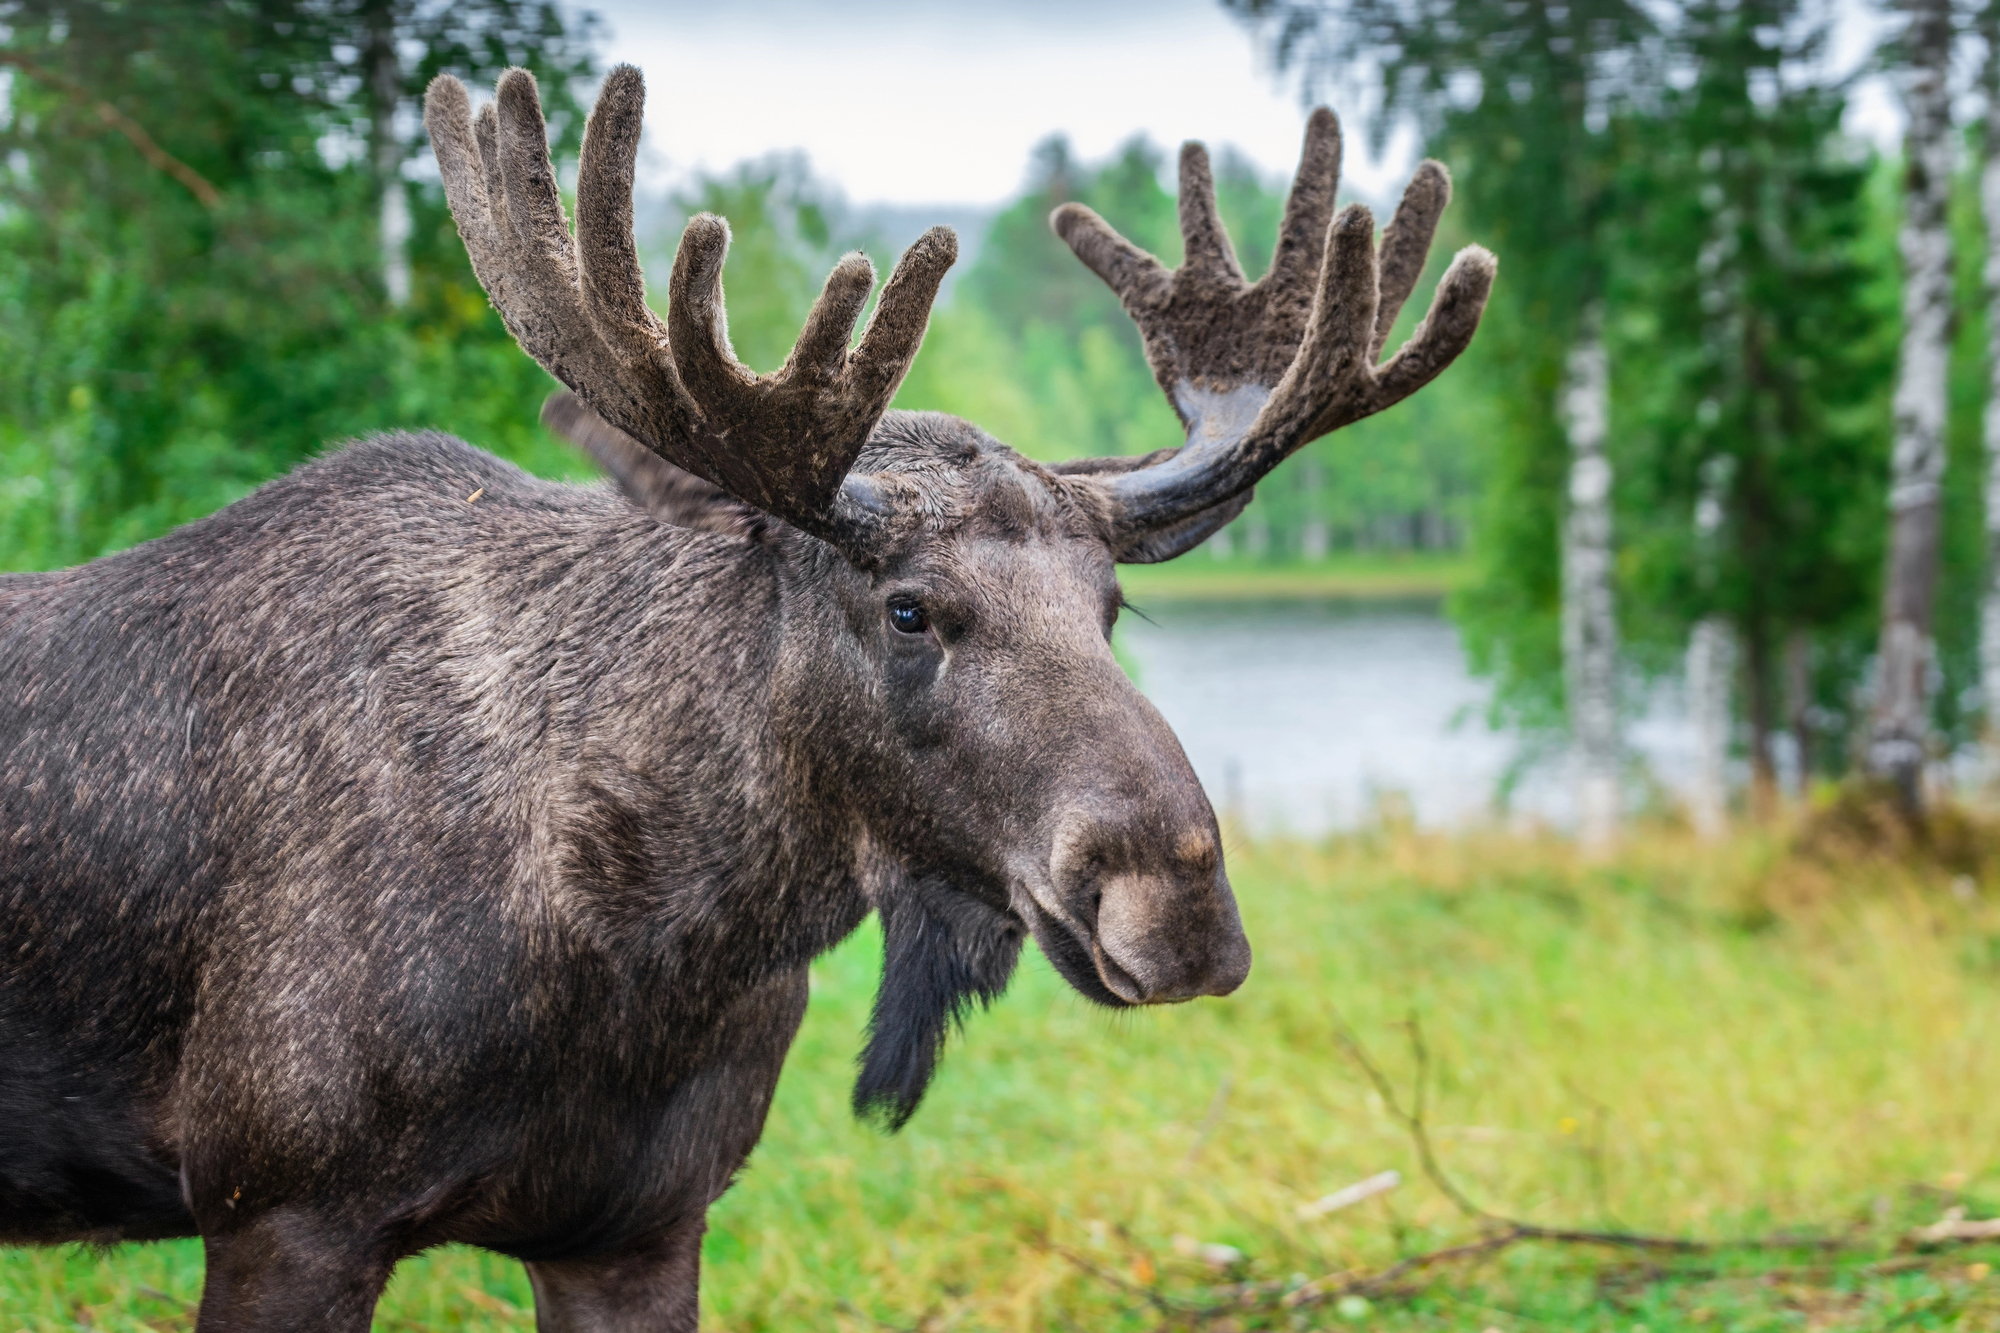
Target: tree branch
[197, 184]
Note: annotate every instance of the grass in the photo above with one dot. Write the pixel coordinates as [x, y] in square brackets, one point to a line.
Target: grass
[1684, 1039]
[1389, 574]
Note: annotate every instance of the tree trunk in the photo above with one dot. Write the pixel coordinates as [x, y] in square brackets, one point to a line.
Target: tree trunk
[1799, 702]
[384, 73]
[1760, 687]
[1989, 205]
[1900, 730]
[1711, 662]
[1590, 627]
[1313, 537]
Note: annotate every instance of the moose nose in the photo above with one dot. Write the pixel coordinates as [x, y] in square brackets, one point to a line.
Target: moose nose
[1165, 926]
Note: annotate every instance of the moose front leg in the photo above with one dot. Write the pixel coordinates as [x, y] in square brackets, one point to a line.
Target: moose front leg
[651, 1286]
[288, 1269]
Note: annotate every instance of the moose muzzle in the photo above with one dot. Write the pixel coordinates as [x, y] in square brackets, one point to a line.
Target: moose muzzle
[1148, 917]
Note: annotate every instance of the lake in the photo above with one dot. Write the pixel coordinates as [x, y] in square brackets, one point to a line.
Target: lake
[1305, 715]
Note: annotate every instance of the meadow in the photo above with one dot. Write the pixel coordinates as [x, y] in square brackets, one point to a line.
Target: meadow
[1791, 1034]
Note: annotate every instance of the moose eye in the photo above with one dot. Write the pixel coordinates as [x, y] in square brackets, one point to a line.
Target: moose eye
[908, 617]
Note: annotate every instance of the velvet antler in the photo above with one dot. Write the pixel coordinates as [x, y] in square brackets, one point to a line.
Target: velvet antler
[1258, 370]
[783, 442]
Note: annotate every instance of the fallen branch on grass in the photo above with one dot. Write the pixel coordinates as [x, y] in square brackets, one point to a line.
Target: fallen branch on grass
[1508, 1230]
[1502, 1232]
[1955, 1226]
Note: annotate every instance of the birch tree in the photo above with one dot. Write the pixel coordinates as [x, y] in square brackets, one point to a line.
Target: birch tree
[1589, 612]
[1711, 665]
[1989, 205]
[1900, 729]
[382, 75]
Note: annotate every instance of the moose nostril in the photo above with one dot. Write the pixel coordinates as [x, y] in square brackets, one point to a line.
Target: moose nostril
[1120, 982]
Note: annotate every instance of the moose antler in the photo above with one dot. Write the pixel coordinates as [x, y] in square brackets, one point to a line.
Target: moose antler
[1258, 370]
[783, 442]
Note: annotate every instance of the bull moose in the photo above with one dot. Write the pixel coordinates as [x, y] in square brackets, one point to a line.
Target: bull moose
[415, 851]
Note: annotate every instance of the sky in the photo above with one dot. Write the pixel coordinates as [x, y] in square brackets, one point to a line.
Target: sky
[906, 102]
[912, 102]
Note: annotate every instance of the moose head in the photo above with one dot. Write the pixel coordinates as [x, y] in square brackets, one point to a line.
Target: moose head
[945, 670]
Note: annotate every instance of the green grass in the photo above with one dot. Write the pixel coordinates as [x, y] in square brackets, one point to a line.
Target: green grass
[1680, 1039]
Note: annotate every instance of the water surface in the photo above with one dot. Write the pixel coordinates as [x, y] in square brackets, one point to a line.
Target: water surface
[1305, 714]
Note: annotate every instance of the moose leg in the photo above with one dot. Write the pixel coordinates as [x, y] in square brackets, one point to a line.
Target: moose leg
[289, 1270]
[652, 1286]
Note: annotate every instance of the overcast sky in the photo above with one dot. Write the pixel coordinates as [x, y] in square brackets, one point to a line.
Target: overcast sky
[901, 101]
[940, 101]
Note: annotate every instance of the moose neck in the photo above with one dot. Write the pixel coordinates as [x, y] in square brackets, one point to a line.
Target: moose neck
[705, 824]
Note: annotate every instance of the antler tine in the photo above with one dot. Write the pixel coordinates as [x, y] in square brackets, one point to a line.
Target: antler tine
[782, 442]
[1407, 243]
[502, 195]
[1331, 370]
[614, 288]
[467, 166]
[1447, 328]
[1257, 371]
[1204, 242]
[889, 343]
[1139, 281]
[1309, 207]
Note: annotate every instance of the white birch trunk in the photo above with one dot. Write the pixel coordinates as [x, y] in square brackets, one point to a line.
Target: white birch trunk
[1989, 205]
[1900, 730]
[385, 95]
[395, 229]
[1711, 666]
[1590, 627]
[1313, 537]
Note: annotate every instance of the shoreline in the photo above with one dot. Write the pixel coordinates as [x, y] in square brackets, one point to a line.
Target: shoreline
[1242, 581]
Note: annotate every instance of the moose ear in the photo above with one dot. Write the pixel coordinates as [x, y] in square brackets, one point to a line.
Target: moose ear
[941, 951]
[1151, 547]
[670, 494]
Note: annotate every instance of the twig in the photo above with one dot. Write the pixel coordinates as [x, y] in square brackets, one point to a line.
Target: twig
[1600, 1117]
[1161, 1301]
[1503, 1232]
[1216, 1106]
[1413, 1123]
[197, 184]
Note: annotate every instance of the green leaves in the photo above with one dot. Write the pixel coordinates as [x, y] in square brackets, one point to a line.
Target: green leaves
[159, 358]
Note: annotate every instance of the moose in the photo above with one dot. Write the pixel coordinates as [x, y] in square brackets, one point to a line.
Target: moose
[415, 851]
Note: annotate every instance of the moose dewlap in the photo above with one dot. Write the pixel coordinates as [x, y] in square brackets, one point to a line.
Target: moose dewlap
[379, 870]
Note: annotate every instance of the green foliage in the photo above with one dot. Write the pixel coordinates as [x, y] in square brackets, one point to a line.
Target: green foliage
[162, 358]
[1678, 169]
[1754, 347]
[159, 358]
